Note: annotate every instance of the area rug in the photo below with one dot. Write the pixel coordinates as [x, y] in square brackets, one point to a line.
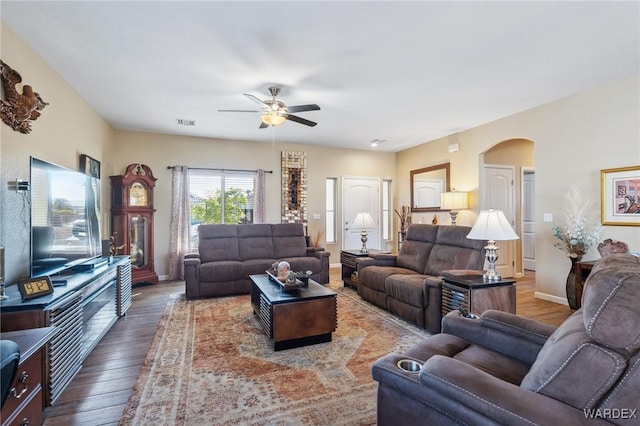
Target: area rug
[211, 363]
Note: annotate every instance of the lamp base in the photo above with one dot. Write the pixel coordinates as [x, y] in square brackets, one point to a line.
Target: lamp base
[453, 215]
[364, 238]
[491, 255]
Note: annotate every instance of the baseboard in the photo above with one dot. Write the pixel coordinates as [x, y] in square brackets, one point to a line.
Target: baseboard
[551, 298]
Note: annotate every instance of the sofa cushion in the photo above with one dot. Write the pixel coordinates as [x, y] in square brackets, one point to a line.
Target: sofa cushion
[256, 266]
[406, 288]
[375, 276]
[610, 302]
[303, 264]
[489, 361]
[559, 370]
[416, 247]
[453, 250]
[288, 240]
[255, 242]
[223, 270]
[217, 242]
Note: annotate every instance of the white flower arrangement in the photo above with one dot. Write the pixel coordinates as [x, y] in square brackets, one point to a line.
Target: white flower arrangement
[582, 230]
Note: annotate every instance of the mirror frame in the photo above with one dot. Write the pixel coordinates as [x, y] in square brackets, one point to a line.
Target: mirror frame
[447, 187]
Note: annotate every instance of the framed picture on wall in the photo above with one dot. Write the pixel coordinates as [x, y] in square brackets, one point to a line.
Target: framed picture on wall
[89, 166]
[620, 193]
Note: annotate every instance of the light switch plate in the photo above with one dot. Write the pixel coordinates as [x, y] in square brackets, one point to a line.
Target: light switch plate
[547, 217]
[316, 216]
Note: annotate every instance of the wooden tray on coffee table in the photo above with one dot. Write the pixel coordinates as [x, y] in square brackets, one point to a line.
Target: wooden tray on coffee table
[286, 286]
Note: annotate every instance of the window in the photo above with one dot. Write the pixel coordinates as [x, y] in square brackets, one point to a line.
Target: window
[330, 213]
[219, 197]
[386, 209]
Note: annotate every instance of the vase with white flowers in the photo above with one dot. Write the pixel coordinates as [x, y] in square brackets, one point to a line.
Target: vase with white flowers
[580, 232]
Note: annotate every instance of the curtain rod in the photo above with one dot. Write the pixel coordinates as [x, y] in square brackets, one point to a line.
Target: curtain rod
[222, 170]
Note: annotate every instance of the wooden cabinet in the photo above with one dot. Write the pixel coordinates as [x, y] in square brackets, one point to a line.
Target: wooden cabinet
[82, 312]
[24, 404]
[475, 295]
[132, 219]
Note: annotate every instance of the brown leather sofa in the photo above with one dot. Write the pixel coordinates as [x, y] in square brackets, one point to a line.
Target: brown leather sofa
[228, 254]
[410, 284]
[508, 370]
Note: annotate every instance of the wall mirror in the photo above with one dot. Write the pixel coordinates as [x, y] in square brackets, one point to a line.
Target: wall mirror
[426, 186]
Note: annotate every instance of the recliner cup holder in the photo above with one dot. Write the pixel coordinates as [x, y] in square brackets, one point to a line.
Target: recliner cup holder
[409, 365]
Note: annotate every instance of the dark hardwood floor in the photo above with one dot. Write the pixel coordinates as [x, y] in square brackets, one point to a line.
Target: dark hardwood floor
[99, 392]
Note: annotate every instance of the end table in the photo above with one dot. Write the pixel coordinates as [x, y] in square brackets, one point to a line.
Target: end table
[476, 295]
[348, 261]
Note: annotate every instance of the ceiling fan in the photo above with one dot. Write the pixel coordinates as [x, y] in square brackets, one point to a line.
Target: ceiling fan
[275, 112]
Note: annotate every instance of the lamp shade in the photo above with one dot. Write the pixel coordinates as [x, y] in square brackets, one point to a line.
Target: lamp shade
[454, 200]
[364, 220]
[492, 225]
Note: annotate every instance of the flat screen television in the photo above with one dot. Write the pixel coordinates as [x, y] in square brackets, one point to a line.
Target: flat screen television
[65, 218]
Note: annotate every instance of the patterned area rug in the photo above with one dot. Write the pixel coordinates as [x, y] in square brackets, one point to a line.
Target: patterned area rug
[211, 363]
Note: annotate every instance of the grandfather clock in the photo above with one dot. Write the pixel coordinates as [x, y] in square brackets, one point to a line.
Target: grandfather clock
[132, 219]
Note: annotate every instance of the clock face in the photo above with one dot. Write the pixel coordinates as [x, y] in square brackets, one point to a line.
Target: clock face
[138, 195]
[35, 287]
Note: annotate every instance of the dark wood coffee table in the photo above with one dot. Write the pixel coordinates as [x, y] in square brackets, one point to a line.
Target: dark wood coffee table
[294, 318]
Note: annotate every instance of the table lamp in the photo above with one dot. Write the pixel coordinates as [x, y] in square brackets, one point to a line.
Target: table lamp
[364, 220]
[492, 225]
[454, 201]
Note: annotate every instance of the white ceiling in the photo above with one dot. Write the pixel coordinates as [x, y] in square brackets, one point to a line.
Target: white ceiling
[404, 72]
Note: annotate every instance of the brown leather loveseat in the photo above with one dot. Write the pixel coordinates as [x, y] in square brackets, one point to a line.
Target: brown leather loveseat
[410, 284]
[228, 254]
[508, 370]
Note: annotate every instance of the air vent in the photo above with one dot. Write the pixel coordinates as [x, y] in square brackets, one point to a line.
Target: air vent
[184, 122]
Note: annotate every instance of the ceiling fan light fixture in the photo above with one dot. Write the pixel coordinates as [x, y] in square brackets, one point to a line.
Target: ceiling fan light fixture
[273, 119]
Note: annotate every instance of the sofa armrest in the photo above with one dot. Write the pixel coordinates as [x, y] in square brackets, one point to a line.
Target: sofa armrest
[461, 388]
[192, 276]
[376, 259]
[508, 334]
[318, 252]
[191, 256]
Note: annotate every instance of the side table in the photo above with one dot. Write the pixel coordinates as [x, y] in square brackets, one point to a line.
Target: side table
[348, 261]
[476, 295]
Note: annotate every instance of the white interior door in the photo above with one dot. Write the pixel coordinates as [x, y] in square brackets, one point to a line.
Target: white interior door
[360, 195]
[528, 220]
[498, 193]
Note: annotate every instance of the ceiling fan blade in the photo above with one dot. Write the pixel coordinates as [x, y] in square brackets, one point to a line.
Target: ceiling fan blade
[256, 100]
[302, 108]
[301, 120]
[263, 125]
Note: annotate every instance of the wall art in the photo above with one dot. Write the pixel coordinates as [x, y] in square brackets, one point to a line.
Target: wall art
[620, 196]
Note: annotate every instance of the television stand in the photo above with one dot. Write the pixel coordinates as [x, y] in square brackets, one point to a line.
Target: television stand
[83, 311]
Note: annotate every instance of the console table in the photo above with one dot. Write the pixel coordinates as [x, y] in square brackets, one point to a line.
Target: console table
[476, 295]
[24, 404]
[82, 311]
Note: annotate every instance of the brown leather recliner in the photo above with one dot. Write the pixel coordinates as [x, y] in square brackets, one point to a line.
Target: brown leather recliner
[505, 369]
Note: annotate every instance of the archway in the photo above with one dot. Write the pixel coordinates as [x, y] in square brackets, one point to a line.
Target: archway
[515, 154]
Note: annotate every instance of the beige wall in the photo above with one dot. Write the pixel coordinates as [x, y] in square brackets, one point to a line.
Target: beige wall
[67, 128]
[574, 138]
[159, 151]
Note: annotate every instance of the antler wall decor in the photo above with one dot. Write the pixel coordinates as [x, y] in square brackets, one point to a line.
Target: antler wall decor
[18, 110]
